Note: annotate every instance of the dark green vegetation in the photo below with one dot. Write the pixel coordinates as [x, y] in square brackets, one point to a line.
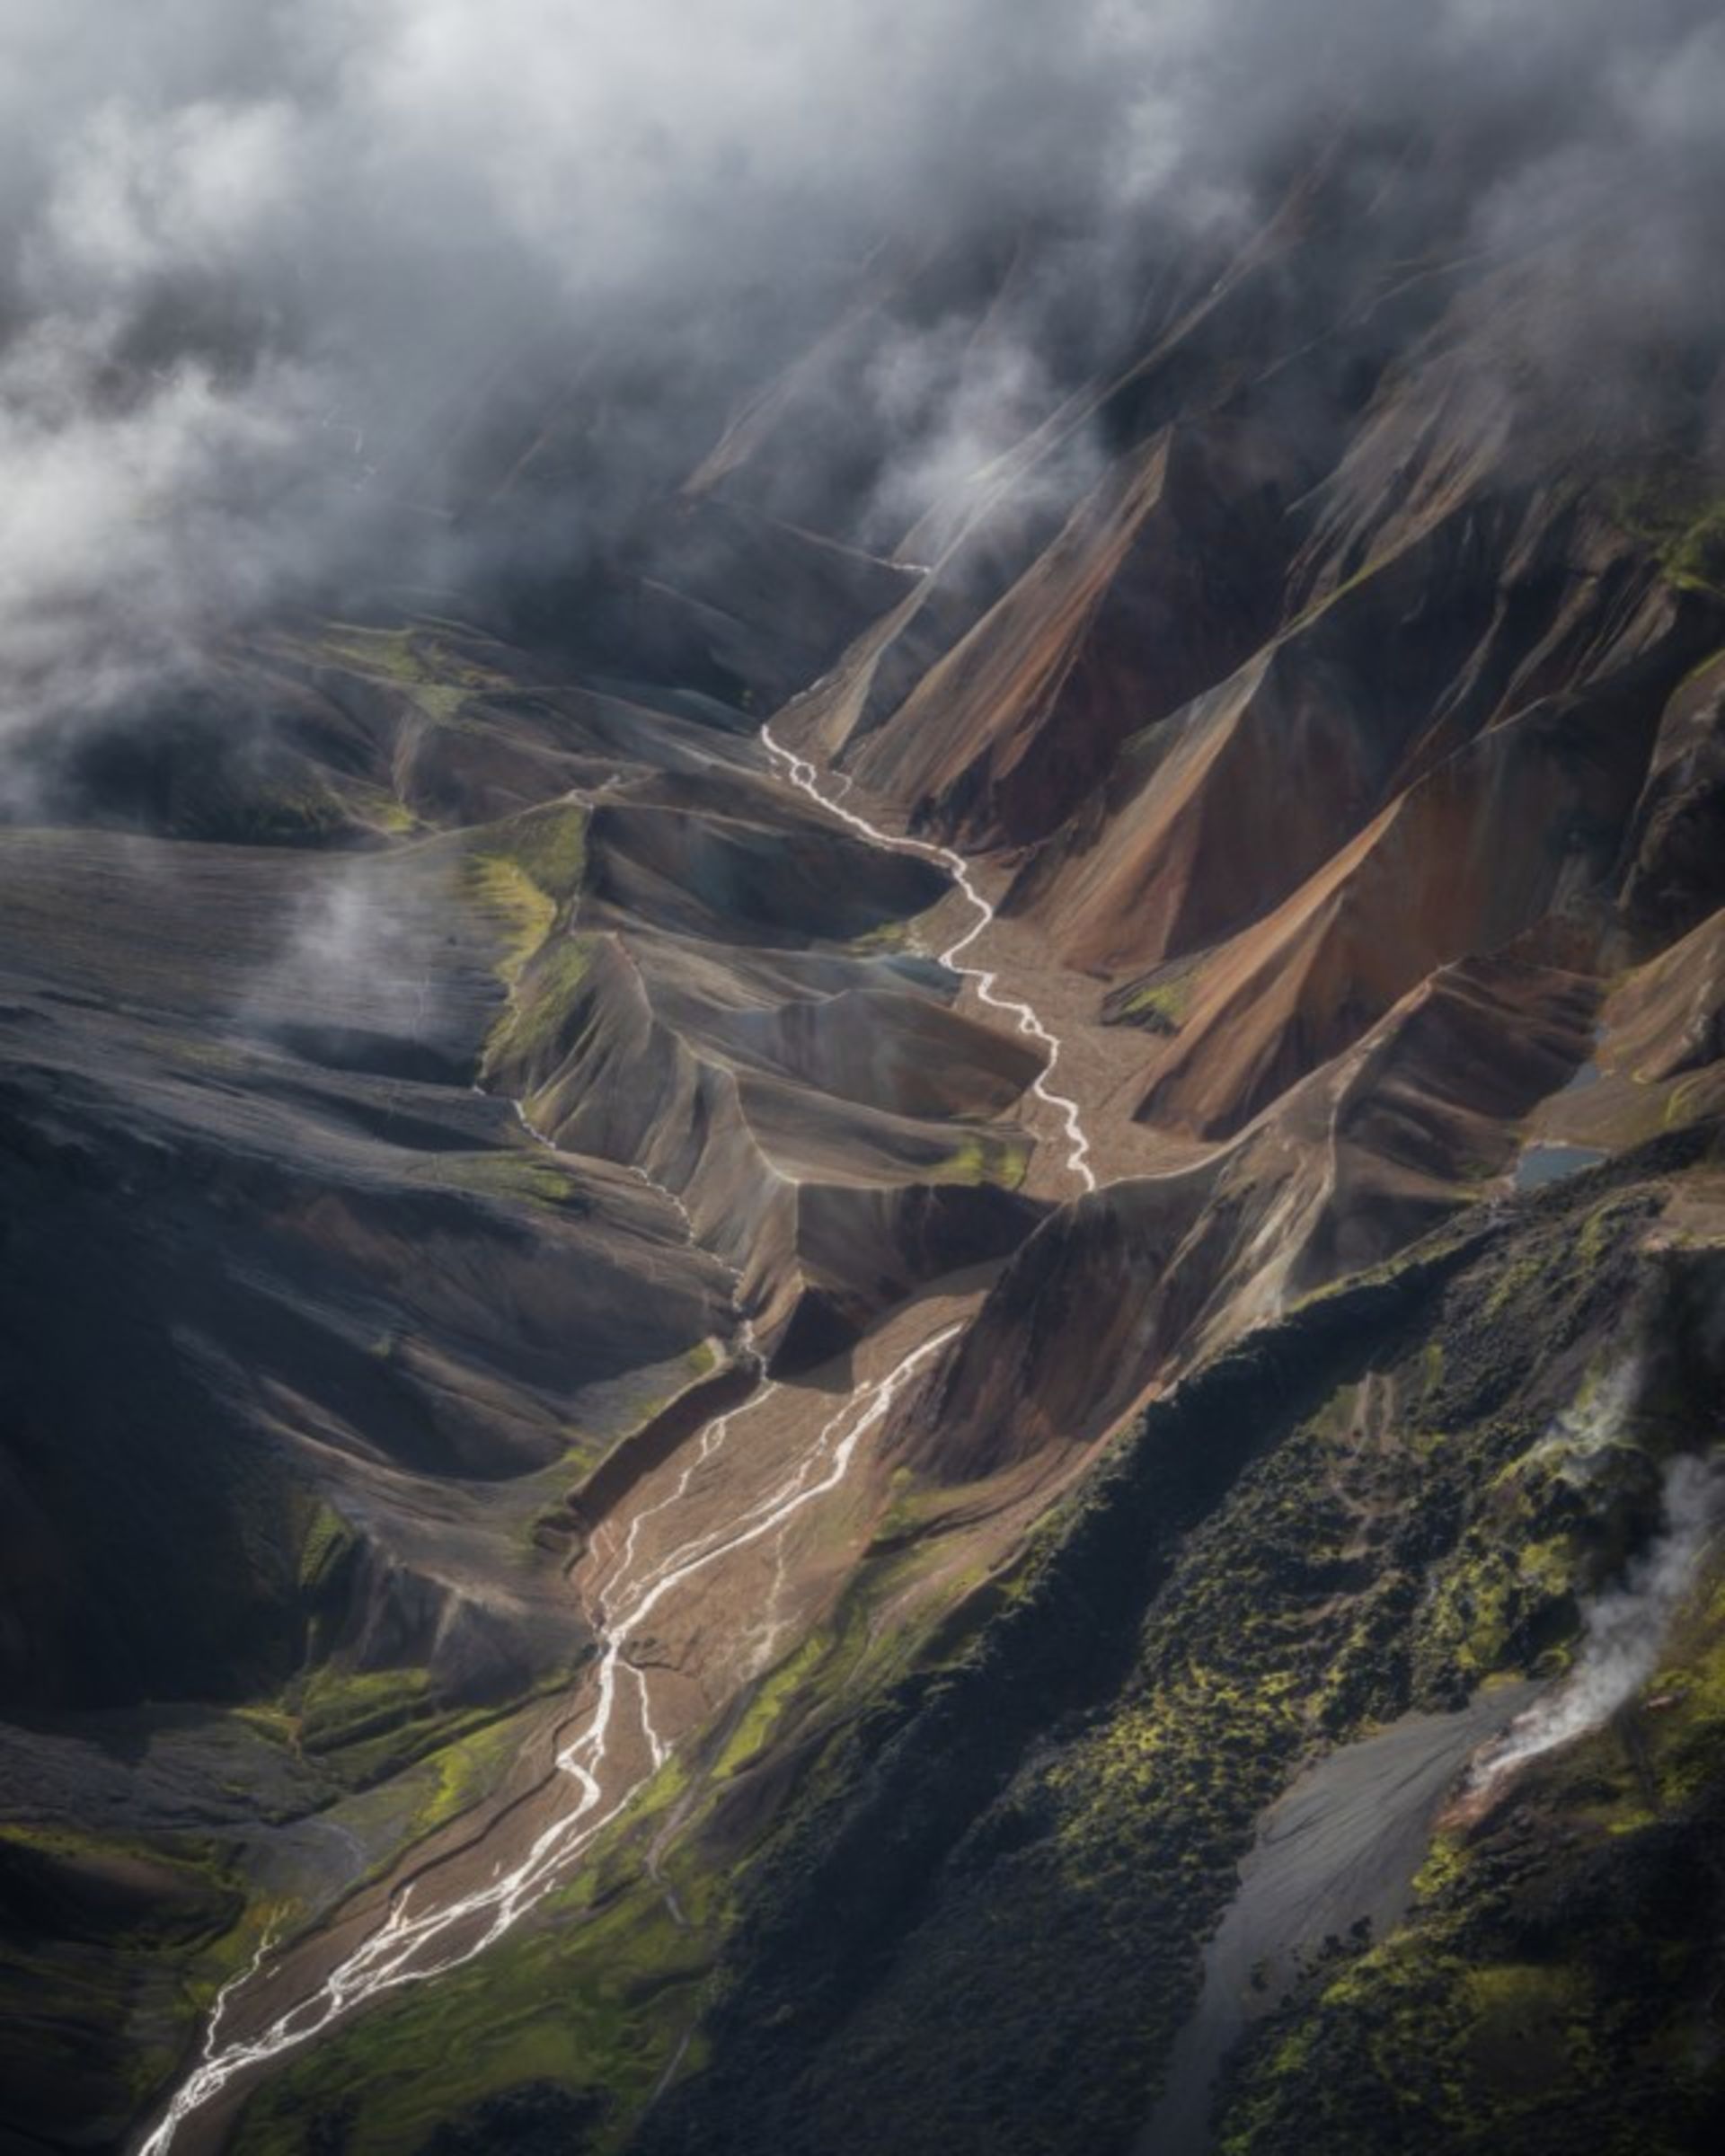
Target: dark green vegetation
[981, 1917]
[587, 2004]
[98, 1998]
[1560, 1980]
[1679, 512]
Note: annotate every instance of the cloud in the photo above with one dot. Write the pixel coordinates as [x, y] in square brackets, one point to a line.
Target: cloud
[268, 272]
[130, 524]
[356, 956]
[136, 196]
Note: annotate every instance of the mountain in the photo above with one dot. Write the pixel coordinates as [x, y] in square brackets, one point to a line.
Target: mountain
[825, 1339]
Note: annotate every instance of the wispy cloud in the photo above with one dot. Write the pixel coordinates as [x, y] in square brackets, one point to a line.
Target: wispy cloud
[356, 956]
[263, 268]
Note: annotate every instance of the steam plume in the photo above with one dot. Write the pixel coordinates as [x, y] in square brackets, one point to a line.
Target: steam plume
[1625, 1628]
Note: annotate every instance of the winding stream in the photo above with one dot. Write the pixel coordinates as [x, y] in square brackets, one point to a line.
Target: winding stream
[413, 1945]
[803, 776]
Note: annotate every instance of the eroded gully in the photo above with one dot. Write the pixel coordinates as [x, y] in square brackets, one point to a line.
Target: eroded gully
[413, 1943]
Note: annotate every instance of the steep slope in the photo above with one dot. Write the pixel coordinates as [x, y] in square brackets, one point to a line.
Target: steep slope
[1157, 582]
[622, 1531]
[367, 1332]
[982, 1915]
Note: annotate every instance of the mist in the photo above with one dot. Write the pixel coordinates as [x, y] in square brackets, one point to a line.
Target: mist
[1624, 1630]
[286, 292]
[357, 955]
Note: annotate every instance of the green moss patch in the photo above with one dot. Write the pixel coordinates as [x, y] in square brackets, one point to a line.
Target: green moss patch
[1159, 1005]
[530, 1036]
[535, 1177]
[506, 890]
[411, 658]
[1683, 520]
[986, 1157]
[588, 1999]
[339, 1708]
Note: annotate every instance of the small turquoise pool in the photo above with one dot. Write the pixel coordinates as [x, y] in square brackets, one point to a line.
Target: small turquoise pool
[1542, 1164]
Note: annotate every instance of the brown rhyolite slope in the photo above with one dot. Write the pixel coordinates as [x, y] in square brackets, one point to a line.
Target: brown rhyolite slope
[1348, 762]
[1343, 744]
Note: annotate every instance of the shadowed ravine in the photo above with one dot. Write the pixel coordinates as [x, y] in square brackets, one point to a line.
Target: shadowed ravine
[621, 1743]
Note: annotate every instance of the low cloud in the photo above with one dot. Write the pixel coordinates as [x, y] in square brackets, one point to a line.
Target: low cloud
[357, 957]
[268, 272]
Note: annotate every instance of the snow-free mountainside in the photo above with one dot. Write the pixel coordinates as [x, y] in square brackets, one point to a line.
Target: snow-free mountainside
[892, 1319]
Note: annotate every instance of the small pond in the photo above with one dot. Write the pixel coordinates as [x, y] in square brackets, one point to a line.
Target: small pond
[1542, 1164]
